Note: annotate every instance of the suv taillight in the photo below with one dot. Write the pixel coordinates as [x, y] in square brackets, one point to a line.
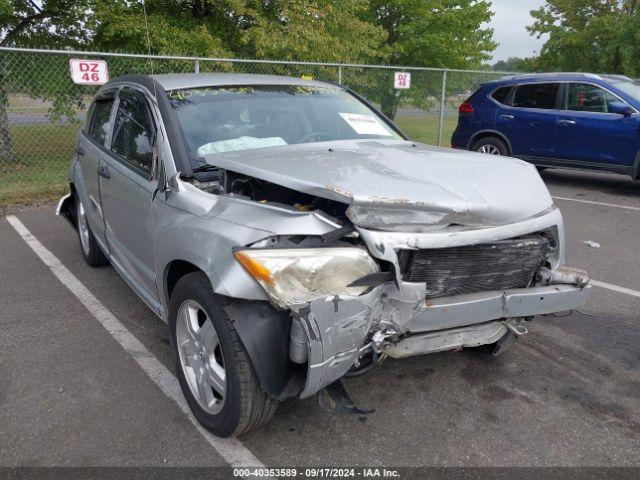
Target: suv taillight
[466, 107]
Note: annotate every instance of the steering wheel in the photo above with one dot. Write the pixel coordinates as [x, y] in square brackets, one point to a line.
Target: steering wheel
[319, 135]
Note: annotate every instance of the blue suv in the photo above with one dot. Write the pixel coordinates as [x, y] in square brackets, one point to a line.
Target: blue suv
[572, 120]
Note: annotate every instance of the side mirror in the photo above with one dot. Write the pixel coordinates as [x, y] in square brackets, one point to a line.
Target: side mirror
[620, 108]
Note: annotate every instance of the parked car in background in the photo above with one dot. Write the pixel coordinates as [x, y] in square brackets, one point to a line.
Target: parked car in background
[572, 120]
[290, 235]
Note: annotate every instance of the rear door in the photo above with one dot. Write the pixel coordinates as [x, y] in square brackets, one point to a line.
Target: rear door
[127, 188]
[91, 149]
[529, 121]
[588, 132]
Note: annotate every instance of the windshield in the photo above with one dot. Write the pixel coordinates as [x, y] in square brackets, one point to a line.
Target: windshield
[630, 88]
[227, 119]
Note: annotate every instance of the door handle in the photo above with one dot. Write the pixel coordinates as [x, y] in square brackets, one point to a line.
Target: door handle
[507, 117]
[104, 172]
[566, 122]
[80, 150]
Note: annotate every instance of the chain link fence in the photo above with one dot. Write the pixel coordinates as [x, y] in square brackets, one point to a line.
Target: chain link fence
[41, 109]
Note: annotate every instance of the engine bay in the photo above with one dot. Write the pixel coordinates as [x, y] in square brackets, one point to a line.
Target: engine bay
[237, 184]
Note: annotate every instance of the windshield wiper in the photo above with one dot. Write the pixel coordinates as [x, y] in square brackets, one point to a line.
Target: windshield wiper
[206, 168]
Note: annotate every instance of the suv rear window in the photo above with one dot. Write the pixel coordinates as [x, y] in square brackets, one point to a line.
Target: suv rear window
[501, 94]
[536, 95]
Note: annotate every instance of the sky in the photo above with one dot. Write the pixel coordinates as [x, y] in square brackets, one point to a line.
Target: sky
[509, 24]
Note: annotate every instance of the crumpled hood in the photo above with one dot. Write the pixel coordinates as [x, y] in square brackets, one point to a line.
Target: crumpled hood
[480, 188]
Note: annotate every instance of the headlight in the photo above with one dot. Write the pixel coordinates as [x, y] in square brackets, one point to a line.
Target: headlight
[291, 276]
[397, 218]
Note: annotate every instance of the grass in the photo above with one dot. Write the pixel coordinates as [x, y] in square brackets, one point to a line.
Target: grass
[425, 129]
[38, 171]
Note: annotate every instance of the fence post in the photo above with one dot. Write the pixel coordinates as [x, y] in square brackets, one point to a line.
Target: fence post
[340, 74]
[197, 66]
[443, 98]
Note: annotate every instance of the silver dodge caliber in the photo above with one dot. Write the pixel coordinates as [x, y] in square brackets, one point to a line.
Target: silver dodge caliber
[290, 235]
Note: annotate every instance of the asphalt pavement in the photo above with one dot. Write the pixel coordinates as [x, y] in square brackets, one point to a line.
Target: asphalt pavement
[568, 394]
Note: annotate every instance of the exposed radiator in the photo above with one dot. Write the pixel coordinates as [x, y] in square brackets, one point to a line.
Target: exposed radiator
[501, 265]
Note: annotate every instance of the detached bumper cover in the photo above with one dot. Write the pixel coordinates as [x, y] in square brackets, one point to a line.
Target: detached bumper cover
[336, 328]
[66, 208]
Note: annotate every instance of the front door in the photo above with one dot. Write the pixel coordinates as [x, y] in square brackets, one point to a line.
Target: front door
[530, 121]
[127, 188]
[588, 132]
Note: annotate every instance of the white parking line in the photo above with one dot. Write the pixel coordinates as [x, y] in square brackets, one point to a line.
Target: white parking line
[615, 288]
[597, 203]
[233, 451]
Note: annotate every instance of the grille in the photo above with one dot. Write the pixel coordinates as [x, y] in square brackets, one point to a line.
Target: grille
[501, 265]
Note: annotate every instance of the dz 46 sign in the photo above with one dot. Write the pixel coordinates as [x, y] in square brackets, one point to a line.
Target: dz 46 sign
[89, 72]
[402, 80]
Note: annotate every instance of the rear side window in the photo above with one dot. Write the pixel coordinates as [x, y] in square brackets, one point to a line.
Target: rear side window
[134, 131]
[501, 94]
[99, 123]
[536, 95]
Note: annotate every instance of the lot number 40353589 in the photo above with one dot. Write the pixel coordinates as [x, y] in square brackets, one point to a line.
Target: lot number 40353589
[89, 72]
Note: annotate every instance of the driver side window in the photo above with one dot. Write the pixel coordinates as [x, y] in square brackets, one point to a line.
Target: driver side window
[134, 131]
[584, 97]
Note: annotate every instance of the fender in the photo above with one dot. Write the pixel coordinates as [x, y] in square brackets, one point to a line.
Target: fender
[264, 332]
[494, 133]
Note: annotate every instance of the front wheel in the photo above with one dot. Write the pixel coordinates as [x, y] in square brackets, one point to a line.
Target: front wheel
[491, 146]
[213, 368]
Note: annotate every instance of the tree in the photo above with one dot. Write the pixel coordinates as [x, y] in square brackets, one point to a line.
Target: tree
[516, 64]
[433, 33]
[313, 30]
[44, 23]
[301, 30]
[322, 30]
[193, 28]
[48, 23]
[589, 35]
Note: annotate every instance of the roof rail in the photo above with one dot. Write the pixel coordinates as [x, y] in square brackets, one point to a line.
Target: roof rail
[524, 76]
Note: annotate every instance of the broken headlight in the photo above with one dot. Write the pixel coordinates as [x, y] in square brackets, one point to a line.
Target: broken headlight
[296, 275]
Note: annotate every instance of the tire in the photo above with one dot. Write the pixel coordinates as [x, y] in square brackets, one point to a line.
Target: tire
[212, 365]
[491, 146]
[89, 247]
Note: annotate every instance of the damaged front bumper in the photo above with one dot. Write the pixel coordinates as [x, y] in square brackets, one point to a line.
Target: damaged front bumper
[399, 322]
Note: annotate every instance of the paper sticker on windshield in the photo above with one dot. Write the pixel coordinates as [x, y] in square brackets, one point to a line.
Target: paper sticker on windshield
[365, 124]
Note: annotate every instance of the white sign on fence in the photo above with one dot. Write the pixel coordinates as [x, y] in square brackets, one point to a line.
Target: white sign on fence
[89, 72]
[402, 80]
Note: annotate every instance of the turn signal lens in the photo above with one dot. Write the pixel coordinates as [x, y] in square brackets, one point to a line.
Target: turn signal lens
[254, 267]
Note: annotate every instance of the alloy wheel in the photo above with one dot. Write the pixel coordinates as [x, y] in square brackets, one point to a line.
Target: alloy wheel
[201, 356]
[489, 149]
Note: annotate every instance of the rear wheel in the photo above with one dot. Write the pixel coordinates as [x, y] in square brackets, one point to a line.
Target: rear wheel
[88, 245]
[491, 146]
[214, 370]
